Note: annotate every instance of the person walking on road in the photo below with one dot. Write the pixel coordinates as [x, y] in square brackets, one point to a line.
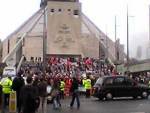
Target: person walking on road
[62, 87]
[29, 97]
[43, 95]
[6, 84]
[75, 93]
[17, 84]
[88, 86]
[55, 93]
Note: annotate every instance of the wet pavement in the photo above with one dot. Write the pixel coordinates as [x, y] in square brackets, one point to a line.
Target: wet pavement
[93, 105]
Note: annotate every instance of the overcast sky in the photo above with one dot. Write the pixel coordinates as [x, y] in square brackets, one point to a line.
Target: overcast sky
[101, 12]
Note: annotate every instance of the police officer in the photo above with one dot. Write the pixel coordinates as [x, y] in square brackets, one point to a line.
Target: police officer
[6, 84]
[62, 87]
[88, 87]
[17, 84]
[149, 83]
[75, 93]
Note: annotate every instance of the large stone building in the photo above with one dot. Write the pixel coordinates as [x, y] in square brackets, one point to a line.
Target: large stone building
[59, 28]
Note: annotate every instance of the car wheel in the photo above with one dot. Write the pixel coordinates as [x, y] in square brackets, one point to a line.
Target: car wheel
[135, 97]
[109, 96]
[100, 98]
[144, 94]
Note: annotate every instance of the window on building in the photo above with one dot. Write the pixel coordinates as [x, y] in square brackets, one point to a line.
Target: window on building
[32, 59]
[52, 10]
[76, 12]
[36, 59]
[69, 9]
[25, 59]
[59, 10]
[39, 59]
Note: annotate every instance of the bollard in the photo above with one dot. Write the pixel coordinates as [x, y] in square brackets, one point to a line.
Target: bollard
[12, 102]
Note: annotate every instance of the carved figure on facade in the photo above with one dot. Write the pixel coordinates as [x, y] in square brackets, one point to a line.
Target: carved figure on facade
[64, 37]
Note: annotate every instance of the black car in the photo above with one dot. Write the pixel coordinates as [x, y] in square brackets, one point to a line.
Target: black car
[108, 87]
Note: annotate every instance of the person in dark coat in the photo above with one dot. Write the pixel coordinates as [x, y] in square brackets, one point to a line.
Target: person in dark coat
[29, 97]
[55, 93]
[75, 93]
[17, 84]
[43, 95]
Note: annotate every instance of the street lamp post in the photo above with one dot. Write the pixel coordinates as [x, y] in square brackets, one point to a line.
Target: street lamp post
[107, 52]
[128, 54]
[148, 50]
[127, 40]
[43, 5]
[149, 25]
[115, 38]
[100, 46]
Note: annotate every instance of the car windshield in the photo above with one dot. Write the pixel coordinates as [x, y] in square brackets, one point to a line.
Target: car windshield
[9, 70]
[99, 81]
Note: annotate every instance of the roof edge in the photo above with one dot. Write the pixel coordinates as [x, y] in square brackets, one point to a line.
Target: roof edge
[21, 26]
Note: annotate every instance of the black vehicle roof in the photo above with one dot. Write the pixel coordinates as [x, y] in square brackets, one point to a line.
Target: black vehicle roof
[108, 76]
[103, 78]
[112, 76]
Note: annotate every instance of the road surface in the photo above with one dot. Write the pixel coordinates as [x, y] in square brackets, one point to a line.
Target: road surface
[93, 105]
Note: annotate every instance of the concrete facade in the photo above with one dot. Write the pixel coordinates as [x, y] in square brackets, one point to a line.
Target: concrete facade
[67, 33]
[64, 34]
[63, 28]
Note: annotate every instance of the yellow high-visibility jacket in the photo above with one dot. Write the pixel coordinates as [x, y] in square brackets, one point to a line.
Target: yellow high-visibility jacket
[6, 84]
[88, 84]
[84, 82]
[62, 85]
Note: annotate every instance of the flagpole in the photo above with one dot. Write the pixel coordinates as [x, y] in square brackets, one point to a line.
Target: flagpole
[127, 40]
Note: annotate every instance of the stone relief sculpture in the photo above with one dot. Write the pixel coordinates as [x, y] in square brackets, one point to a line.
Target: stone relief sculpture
[64, 37]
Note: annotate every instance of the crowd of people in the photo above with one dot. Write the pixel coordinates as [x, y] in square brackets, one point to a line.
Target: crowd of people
[64, 75]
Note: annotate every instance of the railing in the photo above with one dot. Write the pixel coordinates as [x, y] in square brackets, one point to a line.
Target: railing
[19, 65]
